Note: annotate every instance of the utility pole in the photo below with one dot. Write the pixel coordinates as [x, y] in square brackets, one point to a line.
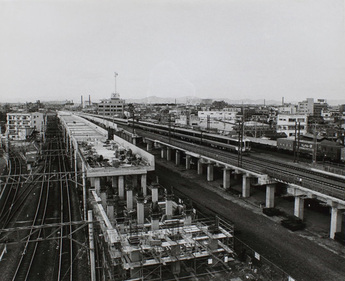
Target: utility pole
[240, 141]
[295, 144]
[315, 145]
[169, 123]
[115, 74]
[298, 139]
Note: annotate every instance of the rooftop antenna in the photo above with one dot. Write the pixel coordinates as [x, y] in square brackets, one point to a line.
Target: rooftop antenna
[116, 74]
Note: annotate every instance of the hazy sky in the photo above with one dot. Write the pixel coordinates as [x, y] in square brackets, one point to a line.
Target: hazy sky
[56, 50]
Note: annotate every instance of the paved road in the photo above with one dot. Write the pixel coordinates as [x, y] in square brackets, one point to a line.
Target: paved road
[299, 257]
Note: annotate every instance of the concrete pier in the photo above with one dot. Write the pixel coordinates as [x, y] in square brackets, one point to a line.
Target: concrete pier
[210, 172]
[336, 221]
[299, 207]
[121, 187]
[199, 167]
[245, 186]
[178, 158]
[168, 154]
[270, 191]
[226, 178]
[129, 195]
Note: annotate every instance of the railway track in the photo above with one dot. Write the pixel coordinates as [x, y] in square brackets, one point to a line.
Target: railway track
[284, 172]
[12, 186]
[25, 264]
[65, 265]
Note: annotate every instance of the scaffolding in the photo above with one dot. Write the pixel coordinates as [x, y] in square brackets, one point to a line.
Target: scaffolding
[163, 249]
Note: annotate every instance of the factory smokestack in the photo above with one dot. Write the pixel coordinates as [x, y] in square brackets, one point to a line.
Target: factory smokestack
[89, 100]
[81, 102]
[282, 100]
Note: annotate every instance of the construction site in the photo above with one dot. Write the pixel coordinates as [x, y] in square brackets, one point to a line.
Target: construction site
[144, 231]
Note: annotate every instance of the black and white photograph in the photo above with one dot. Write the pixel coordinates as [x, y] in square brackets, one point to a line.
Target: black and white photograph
[197, 140]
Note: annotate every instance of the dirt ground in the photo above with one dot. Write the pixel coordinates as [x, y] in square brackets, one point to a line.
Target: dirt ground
[305, 255]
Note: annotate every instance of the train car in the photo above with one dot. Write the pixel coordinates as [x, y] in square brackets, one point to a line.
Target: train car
[286, 144]
[330, 150]
[325, 150]
[304, 147]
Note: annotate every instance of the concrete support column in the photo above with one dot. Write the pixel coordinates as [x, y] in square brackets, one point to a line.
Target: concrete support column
[270, 190]
[154, 191]
[121, 187]
[178, 158]
[168, 153]
[143, 184]
[226, 178]
[154, 222]
[134, 140]
[98, 185]
[209, 172]
[199, 168]
[149, 146]
[140, 210]
[168, 206]
[188, 158]
[163, 151]
[129, 194]
[299, 207]
[336, 221]
[245, 186]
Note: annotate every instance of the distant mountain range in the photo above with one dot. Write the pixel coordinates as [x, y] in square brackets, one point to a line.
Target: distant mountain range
[196, 100]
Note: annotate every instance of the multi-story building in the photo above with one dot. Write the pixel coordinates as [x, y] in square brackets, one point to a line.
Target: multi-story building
[111, 107]
[21, 125]
[306, 107]
[319, 106]
[291, 109]
[218, 115]
[288, 124]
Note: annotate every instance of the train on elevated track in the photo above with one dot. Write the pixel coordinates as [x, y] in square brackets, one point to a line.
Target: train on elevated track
[325, 150]
[194, 136]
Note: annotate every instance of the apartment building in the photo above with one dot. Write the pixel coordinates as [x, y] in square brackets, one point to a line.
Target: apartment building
[20, 125]
[288, 123]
